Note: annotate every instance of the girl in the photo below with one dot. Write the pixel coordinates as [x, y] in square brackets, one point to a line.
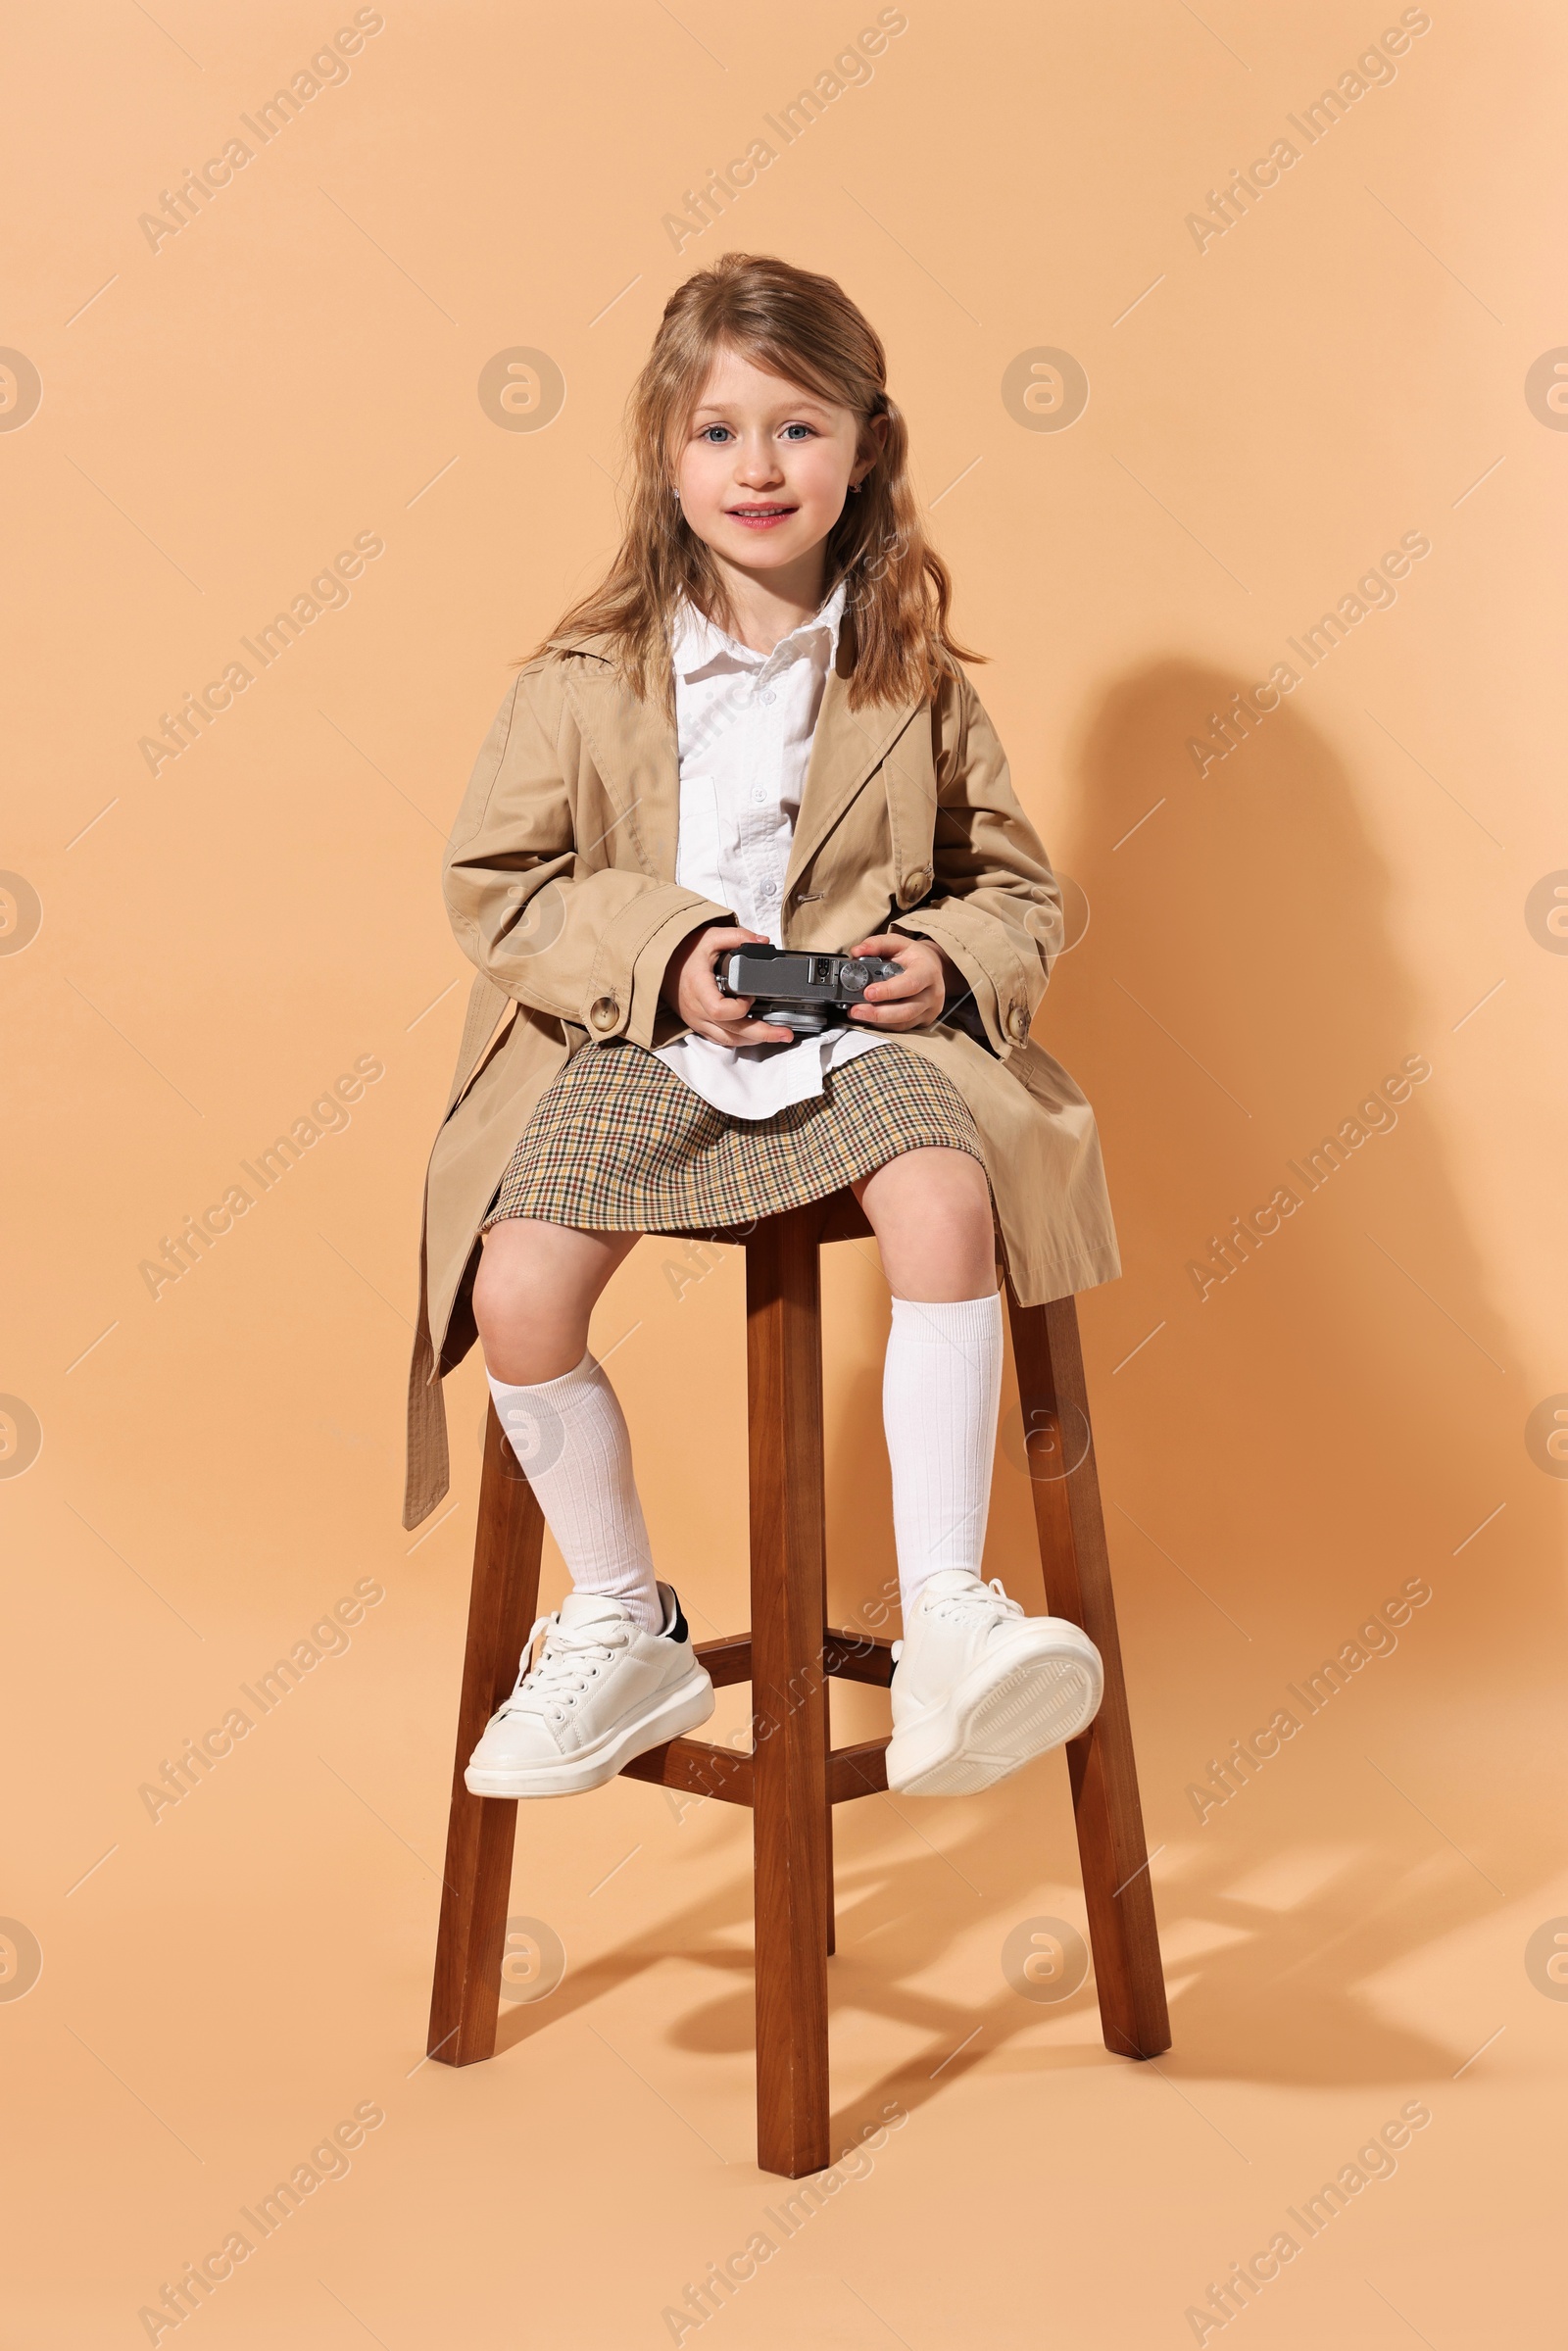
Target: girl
[755, 729]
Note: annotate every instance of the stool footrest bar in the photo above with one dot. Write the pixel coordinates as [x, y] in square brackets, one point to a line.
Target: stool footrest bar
[728, 1660]
[702, 1769]
[851, 1656]
[698, 1766]
[858, 1770]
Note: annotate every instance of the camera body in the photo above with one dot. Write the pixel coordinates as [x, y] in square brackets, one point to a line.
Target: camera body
[798, 991]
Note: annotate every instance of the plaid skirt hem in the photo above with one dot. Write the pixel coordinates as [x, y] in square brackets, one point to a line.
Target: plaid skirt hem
[620, 1144]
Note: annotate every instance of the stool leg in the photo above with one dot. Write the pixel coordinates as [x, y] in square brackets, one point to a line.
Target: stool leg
[829, 1899]
[1104, 1779]
[465, 2004]
[789, 1780]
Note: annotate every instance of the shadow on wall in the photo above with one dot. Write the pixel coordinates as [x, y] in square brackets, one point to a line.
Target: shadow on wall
[1347, 1406]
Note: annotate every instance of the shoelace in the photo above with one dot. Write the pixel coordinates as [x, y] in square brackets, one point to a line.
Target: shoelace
[986, 1598]
[563, 1668]
[990, 1598]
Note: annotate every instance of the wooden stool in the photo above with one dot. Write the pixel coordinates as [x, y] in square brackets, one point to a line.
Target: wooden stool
[794, 1776]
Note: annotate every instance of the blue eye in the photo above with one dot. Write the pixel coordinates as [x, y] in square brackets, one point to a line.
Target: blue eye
[708, 431]
[801, 428]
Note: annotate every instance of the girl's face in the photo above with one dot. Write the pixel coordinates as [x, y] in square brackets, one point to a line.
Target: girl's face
[766, 467]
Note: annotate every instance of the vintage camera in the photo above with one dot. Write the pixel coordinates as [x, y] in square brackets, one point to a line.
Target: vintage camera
[798, 992]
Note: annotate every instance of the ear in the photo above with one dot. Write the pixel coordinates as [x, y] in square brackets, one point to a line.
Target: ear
[876, 432]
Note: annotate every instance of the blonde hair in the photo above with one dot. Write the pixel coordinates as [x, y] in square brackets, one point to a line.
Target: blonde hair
[805, 329]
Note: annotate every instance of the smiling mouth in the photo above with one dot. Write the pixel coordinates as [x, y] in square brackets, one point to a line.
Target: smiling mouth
[759, 514]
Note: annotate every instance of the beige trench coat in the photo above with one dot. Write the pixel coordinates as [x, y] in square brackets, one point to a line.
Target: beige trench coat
[560, 879]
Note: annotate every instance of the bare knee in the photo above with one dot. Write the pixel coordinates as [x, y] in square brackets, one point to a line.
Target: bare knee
[932, 1216]
[536, 1289]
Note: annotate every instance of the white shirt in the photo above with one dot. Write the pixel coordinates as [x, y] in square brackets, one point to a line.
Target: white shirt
[744, 724]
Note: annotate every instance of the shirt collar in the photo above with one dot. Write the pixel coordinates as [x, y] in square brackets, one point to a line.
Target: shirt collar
[696, 641]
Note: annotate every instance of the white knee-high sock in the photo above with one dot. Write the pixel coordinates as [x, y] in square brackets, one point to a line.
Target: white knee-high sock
[940, 1389]
[570, 1437]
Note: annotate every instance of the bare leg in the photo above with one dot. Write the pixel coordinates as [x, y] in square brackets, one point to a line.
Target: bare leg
[931, 1213]
[536, 1287]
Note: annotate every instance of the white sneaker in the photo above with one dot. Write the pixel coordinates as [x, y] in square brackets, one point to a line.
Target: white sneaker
[600, 1692]
[980, 1687]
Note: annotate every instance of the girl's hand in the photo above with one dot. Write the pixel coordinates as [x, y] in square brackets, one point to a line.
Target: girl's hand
[690, 988]
[915, 1000]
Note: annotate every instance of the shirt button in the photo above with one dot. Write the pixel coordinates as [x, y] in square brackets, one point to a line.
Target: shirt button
[768, 890]
[769, 697]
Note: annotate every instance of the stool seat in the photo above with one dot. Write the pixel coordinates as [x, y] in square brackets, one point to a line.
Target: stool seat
[792, 1775]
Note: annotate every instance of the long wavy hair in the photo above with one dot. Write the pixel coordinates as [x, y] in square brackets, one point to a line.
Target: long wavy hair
[805, 329]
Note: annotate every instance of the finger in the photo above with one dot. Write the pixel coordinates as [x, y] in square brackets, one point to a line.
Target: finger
[723, 935]
[752, 1029]
[886, 992]
[717, 944]
[749, 1032]
[912, 1013]
[894, 950]
[732, 1015]
[722, 943]
[719, 1007]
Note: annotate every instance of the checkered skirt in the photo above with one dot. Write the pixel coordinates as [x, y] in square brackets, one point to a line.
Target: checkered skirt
[618, 1143]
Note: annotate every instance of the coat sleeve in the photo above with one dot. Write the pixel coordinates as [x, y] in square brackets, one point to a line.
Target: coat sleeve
[530, 906]
[994, 905]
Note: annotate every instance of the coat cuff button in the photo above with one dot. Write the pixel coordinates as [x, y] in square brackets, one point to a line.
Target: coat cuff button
[914, 885]
[1018, 1021]
[604, 1012]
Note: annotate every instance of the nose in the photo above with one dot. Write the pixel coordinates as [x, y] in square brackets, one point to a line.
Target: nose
[757, 466]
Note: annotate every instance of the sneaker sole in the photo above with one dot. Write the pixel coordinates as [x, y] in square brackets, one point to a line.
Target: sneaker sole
[982, 1737]
[680, 1709]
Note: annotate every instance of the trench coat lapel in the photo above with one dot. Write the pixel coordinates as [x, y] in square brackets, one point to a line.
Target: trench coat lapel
[635, 749]
[847, 749]
[632, 745]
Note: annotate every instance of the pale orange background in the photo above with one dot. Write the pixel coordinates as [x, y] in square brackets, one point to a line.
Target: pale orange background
[301, 364]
